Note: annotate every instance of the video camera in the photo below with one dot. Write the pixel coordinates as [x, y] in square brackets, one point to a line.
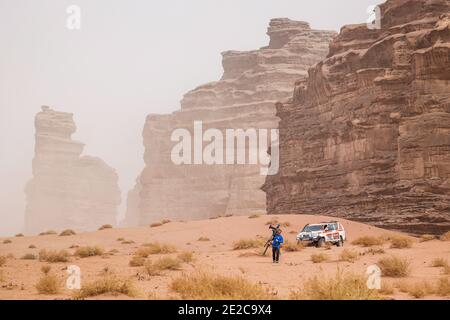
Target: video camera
[275, 230]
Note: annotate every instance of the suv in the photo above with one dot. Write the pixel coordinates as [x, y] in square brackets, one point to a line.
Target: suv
[320, 233]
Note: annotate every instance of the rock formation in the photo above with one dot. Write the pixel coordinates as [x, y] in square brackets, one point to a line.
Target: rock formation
[67, 190]
[244, 98]
[367, 135]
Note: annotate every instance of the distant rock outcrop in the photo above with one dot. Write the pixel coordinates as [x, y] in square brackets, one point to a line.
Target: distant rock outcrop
[367, 135]
[67, 191]
[244, 98]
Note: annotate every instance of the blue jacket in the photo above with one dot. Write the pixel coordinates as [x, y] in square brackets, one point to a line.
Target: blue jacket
[277, 241]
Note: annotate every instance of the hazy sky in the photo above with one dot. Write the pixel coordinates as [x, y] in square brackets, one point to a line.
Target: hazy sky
[130, 58]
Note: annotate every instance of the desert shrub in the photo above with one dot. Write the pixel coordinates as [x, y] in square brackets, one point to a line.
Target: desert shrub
[137, 261]
[342, 286]
[164, 263]
[254, 216]
[446, 269]
[386, 288]
[445, 236]
[120, 239]
[203, 239]
[247, 244]
[67, 232]
[289, 246]
[29, 256]
[186, 256]
[128, 242]
[443, 287]
[105, 226]
[427, 237]
[48, 284]
[53, 256]
[7, 241]
[439, 262]
[155, 248]
[394, 266]
[205, 286]
[368, 241]
[19, 235]
[84, 252]
[31, 246]
[319, 257]
[48, 233]
[401, 242]
[2, 260]
[109, 284]
[272, 221]
[348, 255]
[156, 224]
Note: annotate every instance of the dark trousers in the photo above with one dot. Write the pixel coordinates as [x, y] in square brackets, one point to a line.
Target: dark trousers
[276, 254]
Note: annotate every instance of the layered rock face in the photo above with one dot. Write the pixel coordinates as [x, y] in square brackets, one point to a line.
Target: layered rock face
[244, 98]
[67, 190]
[367, 135]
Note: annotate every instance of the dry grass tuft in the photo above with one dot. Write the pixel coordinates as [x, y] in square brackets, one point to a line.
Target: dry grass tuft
[401, 242]
[53, 256]
[247, 244]
[137, 261]
[48, 233]
[2, 260]
[417, 290]
[205, 286]
[155, 248]
[373, 251]
[19, 235]
[439, 262]
[254, 216]
[7, 241]
[427, 237]
[293, 246]
[203, 239]
[342, 287]
[84, 252]
[127, 242]
[67, 233]
[120, 239]
[319, 257]
[164, 263]
[443, 287]
[156, 224]
[368, 241]
[105, 226]
[46, 269]
[186, 256]
[29, 256]
[109, 284]
[445, 236]
[31, 246]
[48, 284]
[348, 255]
[394, 266]
[386, 288]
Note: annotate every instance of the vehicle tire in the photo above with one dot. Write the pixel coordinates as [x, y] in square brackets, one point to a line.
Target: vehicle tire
[320, 243]
[340, 243]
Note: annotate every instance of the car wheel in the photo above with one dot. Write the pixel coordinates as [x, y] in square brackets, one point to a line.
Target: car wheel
[340, 242]
[320, 243]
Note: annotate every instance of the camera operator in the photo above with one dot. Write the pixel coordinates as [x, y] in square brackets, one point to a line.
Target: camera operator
[277, 241]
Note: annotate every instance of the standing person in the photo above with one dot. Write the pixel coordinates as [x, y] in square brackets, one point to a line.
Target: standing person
[276, 246]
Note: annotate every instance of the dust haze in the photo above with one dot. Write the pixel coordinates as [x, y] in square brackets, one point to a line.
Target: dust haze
[128, 60]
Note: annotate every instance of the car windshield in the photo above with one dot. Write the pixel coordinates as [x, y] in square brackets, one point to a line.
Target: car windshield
[316, 227]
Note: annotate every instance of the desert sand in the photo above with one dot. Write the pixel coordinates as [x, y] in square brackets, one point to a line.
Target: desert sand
[19, 276]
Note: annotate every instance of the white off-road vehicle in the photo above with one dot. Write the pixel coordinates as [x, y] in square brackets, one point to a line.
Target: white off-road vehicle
[321, 233]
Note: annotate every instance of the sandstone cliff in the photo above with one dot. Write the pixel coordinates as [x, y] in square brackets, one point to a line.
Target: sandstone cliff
[367, 135]
[244, 98]
[67, 190]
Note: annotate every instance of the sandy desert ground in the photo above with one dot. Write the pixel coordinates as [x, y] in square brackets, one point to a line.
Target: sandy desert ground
[18, 276]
